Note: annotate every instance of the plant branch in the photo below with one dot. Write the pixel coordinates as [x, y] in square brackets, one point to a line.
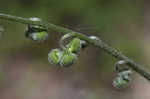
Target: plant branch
[98, 43]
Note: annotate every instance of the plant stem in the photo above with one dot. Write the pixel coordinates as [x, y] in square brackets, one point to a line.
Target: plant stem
[98, 43]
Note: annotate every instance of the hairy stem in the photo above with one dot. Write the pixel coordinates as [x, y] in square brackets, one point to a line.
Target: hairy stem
[98, 43]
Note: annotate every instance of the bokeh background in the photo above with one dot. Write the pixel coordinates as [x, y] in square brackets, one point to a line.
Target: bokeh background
[24, 69]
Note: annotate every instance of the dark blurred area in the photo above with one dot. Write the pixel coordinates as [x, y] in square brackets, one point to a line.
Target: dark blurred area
[24, 69]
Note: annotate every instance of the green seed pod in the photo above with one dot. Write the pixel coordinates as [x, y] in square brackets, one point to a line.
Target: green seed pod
[54, 56]
[74, 46]
[119, 82]
[123, 79]
[68, 58]
[36, 33]
[39, 36]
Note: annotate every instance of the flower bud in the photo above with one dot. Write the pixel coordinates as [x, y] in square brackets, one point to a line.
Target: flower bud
[54, 56]
[36, 33]
[123, 79]
[67, 59]
[119, 82]
[74, 46]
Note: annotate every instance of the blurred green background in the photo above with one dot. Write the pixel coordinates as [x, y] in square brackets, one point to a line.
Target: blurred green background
[24, 69]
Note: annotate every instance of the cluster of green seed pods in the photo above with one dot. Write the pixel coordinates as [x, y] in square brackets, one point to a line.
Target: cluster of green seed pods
[67, 55]
[63, 58]
[123, 77]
